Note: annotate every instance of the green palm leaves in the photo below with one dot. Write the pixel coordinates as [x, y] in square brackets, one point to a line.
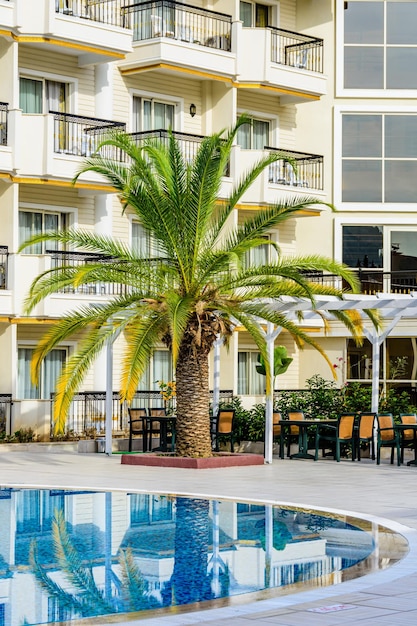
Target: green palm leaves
[196, 286]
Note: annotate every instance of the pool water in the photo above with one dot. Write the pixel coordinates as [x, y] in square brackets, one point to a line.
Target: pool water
[68, 555]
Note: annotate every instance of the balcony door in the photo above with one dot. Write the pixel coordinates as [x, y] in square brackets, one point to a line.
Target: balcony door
[41, 96]
[255, 15]
[151, 114]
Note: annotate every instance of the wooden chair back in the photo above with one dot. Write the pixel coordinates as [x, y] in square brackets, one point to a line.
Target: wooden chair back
[158, 411]
[366, 425]
[386, 421]
[346, 425]
[276, 417]
[408, 418]
[136, 419]
[225, 421]
[295, 415]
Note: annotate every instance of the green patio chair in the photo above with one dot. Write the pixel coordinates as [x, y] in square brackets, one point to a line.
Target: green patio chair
[387, 437]
[342, 433]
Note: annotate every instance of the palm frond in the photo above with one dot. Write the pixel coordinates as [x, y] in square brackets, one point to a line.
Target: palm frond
[133, 583]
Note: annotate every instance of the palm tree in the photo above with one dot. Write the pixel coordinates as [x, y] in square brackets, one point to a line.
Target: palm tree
[196, 288]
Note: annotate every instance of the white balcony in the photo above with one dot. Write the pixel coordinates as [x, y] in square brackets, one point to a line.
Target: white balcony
[63, 141]
[288, 63]
[92, 31]
[171, 35]
[281, 180]
[7, 13]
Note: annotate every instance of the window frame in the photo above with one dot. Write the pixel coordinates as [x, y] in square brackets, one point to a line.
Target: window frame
[44, 77]
[250, 389]
[40, 394]
[340, 56]
[177, 102]
[380, 206]
[68, 217]
[261, 116]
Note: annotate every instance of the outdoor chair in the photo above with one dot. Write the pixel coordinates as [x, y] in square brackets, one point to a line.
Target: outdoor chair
[365, 432]
[154, 424]
[138, 426]
[223, 427]
[294, 431]
[276, 429]
[342, 433]
[387, 437]
[407, 436]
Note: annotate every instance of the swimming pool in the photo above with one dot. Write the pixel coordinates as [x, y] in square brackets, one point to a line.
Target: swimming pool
[68, 555]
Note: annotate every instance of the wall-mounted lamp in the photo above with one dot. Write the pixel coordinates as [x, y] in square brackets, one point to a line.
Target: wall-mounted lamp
[193, 110]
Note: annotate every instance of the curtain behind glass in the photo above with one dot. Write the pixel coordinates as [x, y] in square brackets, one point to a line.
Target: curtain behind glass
[242, 373]
[243, 136]
[246, 14]
[55, 96]
[52, 367]
[30, 95]
[162, 367]
[25, 388]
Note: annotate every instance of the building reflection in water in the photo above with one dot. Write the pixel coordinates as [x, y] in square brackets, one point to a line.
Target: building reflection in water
[66, 555]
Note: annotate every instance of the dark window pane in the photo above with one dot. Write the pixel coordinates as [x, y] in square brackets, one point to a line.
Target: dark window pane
[401, 136]
[401, 22]
[362, 136]
[362, 246]
[400, 181]
[364, 68]
[364, 22]
[402, 68]
[362, 181]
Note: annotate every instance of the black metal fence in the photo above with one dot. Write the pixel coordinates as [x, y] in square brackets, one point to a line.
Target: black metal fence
[4, 112]
[296, 50]
[6, 405]
[88, 409]
[297, 169]
[372, 281]
[80, 136]
[188, 143]
[105, 11]
[164, 18]
[4, 256]
[61, 258]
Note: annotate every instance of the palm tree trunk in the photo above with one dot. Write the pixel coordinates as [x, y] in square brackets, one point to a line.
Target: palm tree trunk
[193, 420]
[190, 580]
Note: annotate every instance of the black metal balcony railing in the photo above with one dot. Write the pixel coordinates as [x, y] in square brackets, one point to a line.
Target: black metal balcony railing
[105, 11]
[372, 280]
[301, 170]
[61, 258]
[165, 18]
[4, 111]
[296, 50]
[4, 255]
[80, 136]
[6, 404]
[188, 142]
[88, 409]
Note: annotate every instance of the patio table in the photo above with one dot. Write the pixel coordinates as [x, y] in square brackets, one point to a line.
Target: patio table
[401, 428]
[303, 425]
[166, 424]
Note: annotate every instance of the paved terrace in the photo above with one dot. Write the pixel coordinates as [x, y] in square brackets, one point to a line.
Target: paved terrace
[385, 493]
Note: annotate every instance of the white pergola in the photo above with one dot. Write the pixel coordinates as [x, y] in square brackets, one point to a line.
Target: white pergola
[391, 308]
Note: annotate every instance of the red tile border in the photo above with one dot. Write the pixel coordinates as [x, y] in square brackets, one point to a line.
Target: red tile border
[152, 459]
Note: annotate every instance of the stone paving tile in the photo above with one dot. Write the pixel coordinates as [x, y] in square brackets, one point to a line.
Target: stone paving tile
[353, 615]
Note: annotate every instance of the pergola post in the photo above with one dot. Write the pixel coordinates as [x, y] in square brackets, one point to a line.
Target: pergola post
[271, 335]
[216, 375]
[109, 397]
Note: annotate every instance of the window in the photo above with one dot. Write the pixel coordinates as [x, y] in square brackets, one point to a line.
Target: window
[254, 136]
[259, 255]
[386, 255]
[145, 509]
[249, 382]
[143, 243]
[149, 114]
[398, 365]
[33, 223]
[160, 368]
[379, 157]
[380, 45]
[50, 370]
[252, 14]
[41, 96]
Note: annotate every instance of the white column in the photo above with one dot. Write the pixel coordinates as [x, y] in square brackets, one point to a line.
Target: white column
[216, 375]
[270, 337]
[104, 91]
[109, 395]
